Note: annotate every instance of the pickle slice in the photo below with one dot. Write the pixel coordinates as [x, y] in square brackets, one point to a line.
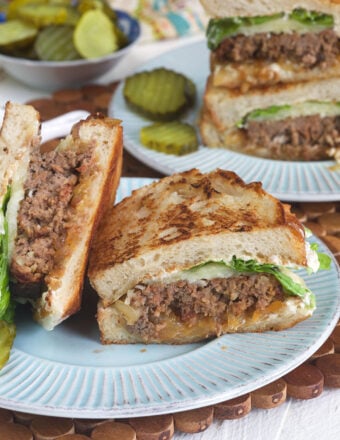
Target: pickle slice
[55, 43]
[94, 35]
[7, 335]
[43, 15]
[160, 94]
[174, 137]
[86, 5]
[16, 34]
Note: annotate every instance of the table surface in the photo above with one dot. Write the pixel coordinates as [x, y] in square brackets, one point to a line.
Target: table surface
[315, 419]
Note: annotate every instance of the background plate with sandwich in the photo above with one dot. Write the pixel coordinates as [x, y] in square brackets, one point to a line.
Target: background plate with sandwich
[267, 83]
[273, 87]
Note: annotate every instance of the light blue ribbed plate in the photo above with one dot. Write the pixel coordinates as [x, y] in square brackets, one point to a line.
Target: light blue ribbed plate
[289, 181]
[67, 372]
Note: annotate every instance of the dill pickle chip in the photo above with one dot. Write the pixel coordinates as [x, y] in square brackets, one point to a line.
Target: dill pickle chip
[43, 15]
[160, 94]
[170, 137]
[7, 335]
[55, 43]
[16, 34]
[14, 5]
[86, 5]
[94, 35]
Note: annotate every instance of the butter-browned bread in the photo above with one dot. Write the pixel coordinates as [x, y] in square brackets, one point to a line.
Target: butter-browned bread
[265, 53]
[167, 261]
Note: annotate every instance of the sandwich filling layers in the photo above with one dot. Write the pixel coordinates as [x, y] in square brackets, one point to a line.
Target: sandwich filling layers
[210, 300]
[307, 130]
[295, 135]
[304, 37]
[262, 50]
[46, 209]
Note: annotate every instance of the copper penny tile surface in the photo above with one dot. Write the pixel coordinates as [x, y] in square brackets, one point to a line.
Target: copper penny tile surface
[307, 381]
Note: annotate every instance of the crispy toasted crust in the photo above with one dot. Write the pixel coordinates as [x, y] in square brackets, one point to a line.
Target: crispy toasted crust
[95, 193]
[20, 130]
[184, 220]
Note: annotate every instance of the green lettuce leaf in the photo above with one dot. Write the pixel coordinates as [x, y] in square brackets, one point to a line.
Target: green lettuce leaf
[324, 259]
[7, 327]
[312, 18]
[290, 286]
[220, 28]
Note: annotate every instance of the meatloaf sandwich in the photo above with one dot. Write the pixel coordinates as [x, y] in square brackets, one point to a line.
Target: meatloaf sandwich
[55, 200]
[194, 256]
[274, 79]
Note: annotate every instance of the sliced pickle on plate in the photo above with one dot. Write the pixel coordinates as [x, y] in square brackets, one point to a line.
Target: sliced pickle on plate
[7, 335]
[94, 35]
[174, 137]
[160, 94]
[55, 43]
[16, 34]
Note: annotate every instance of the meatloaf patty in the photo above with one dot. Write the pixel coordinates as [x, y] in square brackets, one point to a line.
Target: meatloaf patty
[45, 211]
[309, 49]
[190, 302]
[302, 138]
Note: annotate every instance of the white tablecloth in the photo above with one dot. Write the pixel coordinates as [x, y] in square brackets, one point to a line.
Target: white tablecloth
[316, 419]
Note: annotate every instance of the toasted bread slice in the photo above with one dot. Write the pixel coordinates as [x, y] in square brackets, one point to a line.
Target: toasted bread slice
[184, 220]
[19, 132]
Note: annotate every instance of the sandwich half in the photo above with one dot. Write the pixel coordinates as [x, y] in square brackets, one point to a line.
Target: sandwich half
[55, 201]
[298, 121]
[194, 256]
[262, 43]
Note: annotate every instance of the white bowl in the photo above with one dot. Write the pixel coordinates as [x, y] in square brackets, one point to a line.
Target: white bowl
[52, 75]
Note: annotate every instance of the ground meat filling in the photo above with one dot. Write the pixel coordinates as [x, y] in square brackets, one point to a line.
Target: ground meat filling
[302, 138]
[45, 212]
[206, 298]
[310, 49]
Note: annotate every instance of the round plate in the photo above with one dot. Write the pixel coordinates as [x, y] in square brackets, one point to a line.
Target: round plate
[67, 372]
[289, 181]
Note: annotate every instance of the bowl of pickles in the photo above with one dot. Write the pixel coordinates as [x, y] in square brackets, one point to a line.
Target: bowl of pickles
[53, 44]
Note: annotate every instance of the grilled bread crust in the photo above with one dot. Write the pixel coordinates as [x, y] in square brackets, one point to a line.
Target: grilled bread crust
[19, 132]
[94, 194]
[184, 220]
